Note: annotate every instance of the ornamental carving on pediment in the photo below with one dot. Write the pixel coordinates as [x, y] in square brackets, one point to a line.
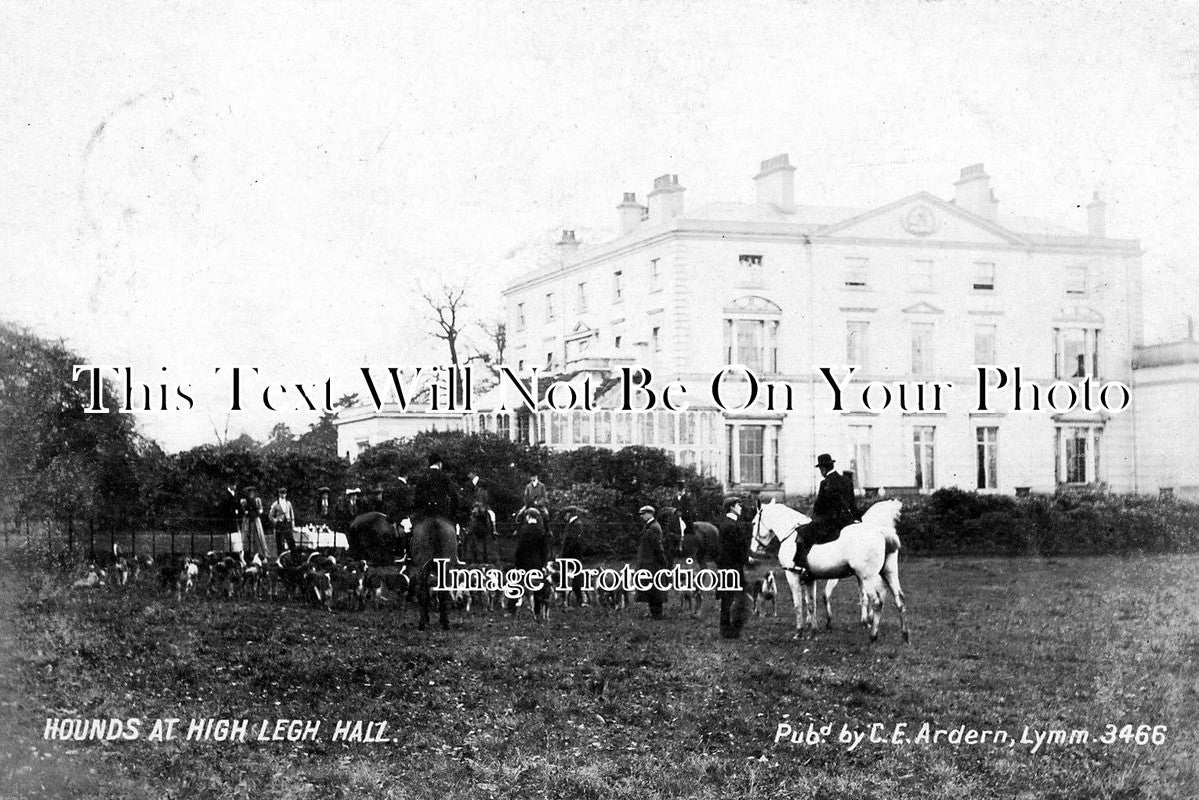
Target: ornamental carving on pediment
[920, 221]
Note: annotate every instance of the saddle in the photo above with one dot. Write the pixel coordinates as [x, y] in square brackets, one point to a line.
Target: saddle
[808, 536]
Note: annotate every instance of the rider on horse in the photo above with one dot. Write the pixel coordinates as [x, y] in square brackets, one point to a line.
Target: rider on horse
[435, 496]
[835, 508]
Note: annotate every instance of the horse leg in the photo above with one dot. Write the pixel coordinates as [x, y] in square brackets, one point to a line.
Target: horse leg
[891, 578]
[423, 597]
[443, 616]
[863, 603]
[873, 592]
[828, 606]
[796, 600]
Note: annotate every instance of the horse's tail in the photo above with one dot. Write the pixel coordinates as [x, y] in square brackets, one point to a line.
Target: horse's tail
[891, 538]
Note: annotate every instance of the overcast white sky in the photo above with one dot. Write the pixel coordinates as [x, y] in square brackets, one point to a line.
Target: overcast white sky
[189, 185]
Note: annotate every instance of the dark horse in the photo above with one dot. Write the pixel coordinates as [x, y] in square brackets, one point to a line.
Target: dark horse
[696, 545]
[432, 538]
[372, 538]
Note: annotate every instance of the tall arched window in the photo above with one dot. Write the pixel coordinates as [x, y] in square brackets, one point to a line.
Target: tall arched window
[751, 333]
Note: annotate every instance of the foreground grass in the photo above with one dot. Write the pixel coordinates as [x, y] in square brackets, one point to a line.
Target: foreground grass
[616, 706]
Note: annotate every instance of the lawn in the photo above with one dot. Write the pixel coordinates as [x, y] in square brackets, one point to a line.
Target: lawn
[615, 705]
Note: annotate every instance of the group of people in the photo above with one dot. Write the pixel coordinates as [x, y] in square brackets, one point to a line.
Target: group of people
[242, 513]
[434, 495]
[835, 507]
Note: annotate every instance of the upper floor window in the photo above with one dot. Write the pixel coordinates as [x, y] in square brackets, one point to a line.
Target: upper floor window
[1076, 352]
[656, 339]
[617, 286]
[616, 342]
[920, 274]
[549, 307]
[750, 262]
[751, 333]
[520, 316]
[582, 297]
[984, 344]
[856, 272]
[984, 276]
[1076, 280]
[653, 275]
[922, 348]
[752, 343]
[856, 350]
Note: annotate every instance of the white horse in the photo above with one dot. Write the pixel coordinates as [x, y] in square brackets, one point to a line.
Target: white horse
[867, 550]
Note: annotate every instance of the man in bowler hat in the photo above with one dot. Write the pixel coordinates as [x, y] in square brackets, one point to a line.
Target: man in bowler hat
[834, 508]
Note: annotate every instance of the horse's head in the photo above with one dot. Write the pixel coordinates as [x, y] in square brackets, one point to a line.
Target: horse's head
[774, 521]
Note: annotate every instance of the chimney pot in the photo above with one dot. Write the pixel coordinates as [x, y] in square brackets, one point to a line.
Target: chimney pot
[631, 213]
[775, 183]
[666, 200]
[973, 192]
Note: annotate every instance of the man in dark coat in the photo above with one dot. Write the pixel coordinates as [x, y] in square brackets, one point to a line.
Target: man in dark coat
[734, 554]
[536, 496]
[834, 508]
[651, 555]
[435, 493]
[532, 552]
[400, 501]
[572, 547]
[480, 527]
[228, 511]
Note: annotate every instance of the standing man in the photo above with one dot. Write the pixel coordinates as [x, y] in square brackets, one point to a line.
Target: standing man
[734, 554]
[572, 547]
[228, 514]
[283, 519]
[481, 520]
[651, 555]
[834, 508]
[532, 552]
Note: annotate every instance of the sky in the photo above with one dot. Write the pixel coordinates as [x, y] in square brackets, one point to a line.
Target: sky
[188, 185]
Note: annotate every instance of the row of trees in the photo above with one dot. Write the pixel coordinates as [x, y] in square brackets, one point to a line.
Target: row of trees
[57, 462]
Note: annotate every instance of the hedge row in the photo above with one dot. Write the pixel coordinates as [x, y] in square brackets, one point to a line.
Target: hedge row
[956, 522]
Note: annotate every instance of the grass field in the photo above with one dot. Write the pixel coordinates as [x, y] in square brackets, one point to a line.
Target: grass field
[600, 706]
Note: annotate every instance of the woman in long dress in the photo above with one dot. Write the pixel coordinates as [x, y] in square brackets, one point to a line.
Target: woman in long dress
[255, 536]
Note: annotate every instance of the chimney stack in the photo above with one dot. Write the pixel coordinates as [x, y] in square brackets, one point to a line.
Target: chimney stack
[775, 183]
[973, 192]
[567, 246]
[631, 213]
[1097, 218]
[666, 200]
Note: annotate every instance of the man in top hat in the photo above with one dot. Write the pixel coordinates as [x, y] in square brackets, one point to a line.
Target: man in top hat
[435, 495]
[835, 507]
[651, 555]
[733, 554]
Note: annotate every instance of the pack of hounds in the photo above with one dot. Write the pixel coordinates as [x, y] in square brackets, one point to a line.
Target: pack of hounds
[323, 580]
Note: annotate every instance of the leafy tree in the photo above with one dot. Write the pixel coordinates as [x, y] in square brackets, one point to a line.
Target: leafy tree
[55, 459]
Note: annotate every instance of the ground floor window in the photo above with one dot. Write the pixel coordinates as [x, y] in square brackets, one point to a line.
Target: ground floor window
[754, 453]
[1077, 453]
[860, 455]
[924, 450]
[987, 446]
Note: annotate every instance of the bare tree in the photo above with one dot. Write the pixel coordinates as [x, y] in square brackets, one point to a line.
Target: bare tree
[448, 304]
[497, 342]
